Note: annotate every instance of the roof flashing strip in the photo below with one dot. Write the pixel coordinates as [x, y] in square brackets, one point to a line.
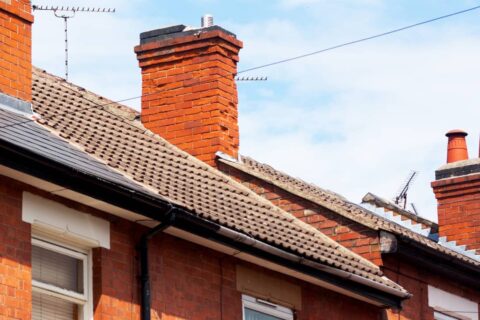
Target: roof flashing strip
[15, 105]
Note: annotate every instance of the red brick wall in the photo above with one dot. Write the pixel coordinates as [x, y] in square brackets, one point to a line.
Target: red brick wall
[187, 281]
[459, 209]
[416, 280]
[15, 252]
[352, 235]
[190, 96]
[15, 49]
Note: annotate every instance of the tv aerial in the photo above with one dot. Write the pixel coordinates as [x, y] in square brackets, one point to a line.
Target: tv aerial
[401, 197]
[66, 13]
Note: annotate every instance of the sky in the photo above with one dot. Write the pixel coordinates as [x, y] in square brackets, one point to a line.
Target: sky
[353, 120]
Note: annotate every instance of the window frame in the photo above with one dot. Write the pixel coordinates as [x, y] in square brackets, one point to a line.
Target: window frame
[265, 307]
[84, 300]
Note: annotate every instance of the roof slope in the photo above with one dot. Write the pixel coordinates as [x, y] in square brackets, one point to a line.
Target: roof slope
[20, 131]
[109, 132]
[337, 204]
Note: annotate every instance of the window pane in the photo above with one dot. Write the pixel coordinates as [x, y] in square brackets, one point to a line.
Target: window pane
[57, 269]
[255, 315]
[46, 307]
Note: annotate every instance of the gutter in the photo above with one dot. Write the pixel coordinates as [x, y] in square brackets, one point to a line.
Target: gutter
[47, 169]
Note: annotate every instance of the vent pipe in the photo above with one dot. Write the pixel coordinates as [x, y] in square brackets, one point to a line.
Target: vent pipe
[207, 21]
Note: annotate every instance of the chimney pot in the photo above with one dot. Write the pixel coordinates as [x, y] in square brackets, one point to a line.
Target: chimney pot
[457, 146]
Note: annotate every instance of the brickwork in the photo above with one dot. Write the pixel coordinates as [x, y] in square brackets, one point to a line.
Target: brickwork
[459, 209]
[187, 281]
[15, 252]
[190, 96]
[15, 49]
[354, 236]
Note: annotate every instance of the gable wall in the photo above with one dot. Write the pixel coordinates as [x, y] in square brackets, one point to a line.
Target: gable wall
[187, 281]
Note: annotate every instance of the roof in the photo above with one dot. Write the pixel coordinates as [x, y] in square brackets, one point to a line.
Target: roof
[110, 133]
[340, 205]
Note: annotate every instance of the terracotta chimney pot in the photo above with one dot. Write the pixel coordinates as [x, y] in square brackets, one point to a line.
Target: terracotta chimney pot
[457, 146]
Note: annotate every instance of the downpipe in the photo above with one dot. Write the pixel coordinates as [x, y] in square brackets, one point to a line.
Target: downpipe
[146, 294]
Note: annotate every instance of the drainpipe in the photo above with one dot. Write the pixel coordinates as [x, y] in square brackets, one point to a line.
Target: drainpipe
[144, 273]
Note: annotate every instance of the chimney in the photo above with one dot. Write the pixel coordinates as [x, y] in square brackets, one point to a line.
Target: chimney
[15, 53]
[457, 189]
[188, 87]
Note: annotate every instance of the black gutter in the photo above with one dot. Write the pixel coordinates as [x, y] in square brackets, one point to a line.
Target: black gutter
[144, 271]
[155, 208]
[448, 266]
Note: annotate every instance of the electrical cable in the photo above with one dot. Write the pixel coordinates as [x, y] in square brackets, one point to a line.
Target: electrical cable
[264, 65]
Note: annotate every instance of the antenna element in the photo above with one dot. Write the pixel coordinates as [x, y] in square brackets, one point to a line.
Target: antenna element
[66, 13]
[401, 198]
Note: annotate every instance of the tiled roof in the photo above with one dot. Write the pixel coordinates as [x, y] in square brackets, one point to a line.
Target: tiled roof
[338, 204]
[112, 134]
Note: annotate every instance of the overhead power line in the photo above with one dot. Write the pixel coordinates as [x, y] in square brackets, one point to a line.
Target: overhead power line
[96, 105]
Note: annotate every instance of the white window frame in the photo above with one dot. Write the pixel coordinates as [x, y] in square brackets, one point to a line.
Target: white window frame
[83, 300]
[265, 307]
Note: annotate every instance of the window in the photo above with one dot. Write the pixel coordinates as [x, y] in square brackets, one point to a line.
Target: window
[60, 282]
[449, 306]
[257, 309]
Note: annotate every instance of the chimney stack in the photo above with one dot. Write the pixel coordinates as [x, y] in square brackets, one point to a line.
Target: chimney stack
[457, 146]
[189, 91]
[457, 189]
[15, 53]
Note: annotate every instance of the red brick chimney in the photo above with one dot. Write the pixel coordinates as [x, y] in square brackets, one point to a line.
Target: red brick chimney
[189, 92]
[15, 51]
[457, 189]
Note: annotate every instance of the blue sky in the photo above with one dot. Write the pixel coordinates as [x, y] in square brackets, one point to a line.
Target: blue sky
[352, 120]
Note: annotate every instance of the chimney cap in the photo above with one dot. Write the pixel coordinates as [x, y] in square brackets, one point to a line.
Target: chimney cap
[456, 132]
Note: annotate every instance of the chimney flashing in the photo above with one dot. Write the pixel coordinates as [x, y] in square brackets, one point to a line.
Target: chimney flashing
[178, 31]
[14, 104]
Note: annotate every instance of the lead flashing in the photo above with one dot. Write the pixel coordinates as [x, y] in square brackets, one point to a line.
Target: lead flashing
[16, 105]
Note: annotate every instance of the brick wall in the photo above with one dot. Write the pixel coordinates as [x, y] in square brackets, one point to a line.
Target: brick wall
[352, 235]
[459, 209]
[187, 281]
[15, 252]
[15, 49]
[190, 96]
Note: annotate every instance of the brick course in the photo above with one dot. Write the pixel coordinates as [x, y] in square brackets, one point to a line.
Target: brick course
[189, 92]
[15, 49]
